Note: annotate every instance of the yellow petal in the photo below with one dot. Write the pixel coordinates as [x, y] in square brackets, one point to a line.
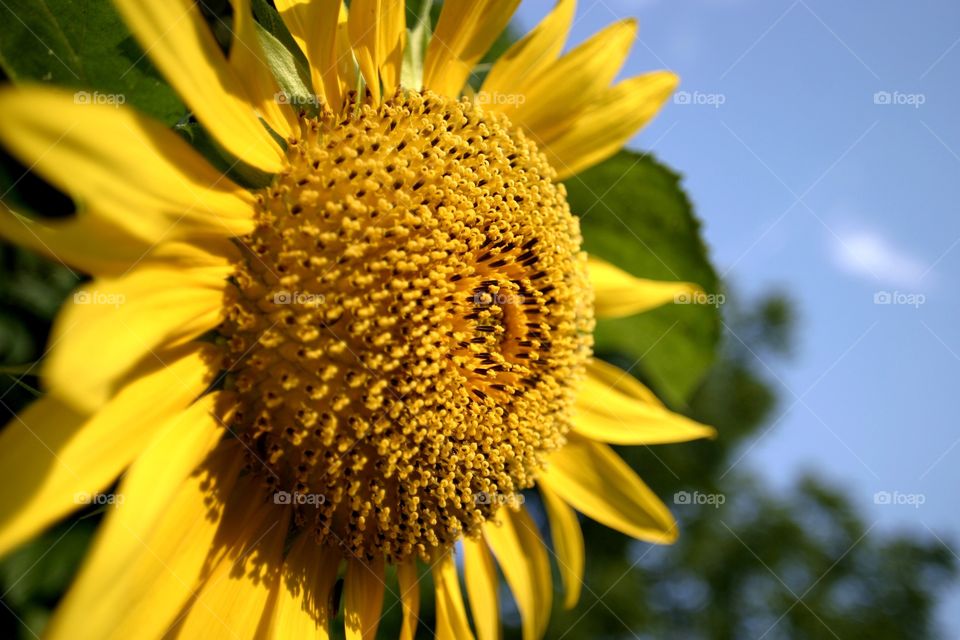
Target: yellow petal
[614, 407]
[568, 544]
[55, 458]
[142, 566]
[178, 41]
[409, 583]
[617, 293]
[481, 577]
[315, 26]
[465, 31]
[578, 78]
[236, 593]
[531, 55]
[605, 126]
[378, 33]
[452, 621]
[597, 482]
[108, 326]
[122, 166]
[523, 559]
[363, 598]
[249, 64]
[302, 607]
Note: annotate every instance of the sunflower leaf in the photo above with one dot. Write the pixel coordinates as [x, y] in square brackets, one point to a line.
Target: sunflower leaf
[291, 74]
[82, 44]
[635, 214]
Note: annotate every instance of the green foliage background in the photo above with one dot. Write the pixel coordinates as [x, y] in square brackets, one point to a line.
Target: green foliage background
[779, 565]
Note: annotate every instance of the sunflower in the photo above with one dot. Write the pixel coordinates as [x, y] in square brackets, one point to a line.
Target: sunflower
[338, 379]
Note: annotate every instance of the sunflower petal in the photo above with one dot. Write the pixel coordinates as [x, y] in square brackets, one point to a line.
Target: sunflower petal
[236, 593]
[110, 325]
[302, 607]
[523, 559]
[316, 27]
[55, 457]
[452, 621]
[618, 294]
[568, 544]
[606, 125]
[153, 544]
[614, 407]
[597, 482]
[481, 577]
[409, 583]
[114, 161]
[378, 32]
[465, 31]
[532, 54]
[363, 598]
[178, 41]
[247, 59]
[578, 78]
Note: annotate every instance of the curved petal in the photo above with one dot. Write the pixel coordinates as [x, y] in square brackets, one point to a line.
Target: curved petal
[378, 32]
[363, 598]
[465, 31]
[111, 325]
[236, 592]
[248, 63]
[320, 30]
[55, 457]
[617, 293]
[409, 583]
[302, 607]
[481, 578]
[122, 166]
[531, 55]
[568, 544]
[452, 621]
[578, 78]
[523, 559]
[614, 407]
[147, 555]
[178, 42]
[605, 126]
[598, 483]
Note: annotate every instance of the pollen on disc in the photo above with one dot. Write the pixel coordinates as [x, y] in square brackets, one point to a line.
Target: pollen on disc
[413, 319]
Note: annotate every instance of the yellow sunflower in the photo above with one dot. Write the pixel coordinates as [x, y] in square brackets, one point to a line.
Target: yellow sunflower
[348, 373]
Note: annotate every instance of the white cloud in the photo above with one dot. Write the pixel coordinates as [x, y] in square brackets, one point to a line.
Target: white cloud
[868, 254]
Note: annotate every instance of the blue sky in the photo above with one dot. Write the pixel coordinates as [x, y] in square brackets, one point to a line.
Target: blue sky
[821, 145]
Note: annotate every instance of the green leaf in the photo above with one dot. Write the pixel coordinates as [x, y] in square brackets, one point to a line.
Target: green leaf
[82, 44]
[635, 214]
[292, 77]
